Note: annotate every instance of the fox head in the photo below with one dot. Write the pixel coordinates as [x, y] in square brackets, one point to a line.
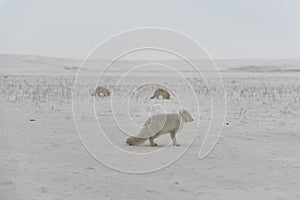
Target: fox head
[186, 116]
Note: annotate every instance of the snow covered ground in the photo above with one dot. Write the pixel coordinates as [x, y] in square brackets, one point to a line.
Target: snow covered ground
[42, 157]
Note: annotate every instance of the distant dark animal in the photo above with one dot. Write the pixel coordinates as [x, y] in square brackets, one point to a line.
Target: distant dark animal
[101, 91]
[161, 93]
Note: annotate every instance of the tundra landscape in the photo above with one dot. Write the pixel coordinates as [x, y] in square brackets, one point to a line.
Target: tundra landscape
[257, 156]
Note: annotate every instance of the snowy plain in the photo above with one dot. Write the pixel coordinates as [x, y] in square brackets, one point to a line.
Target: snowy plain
[42, 157]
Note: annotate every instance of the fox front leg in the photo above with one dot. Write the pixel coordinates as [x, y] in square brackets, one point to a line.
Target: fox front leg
[172, 134]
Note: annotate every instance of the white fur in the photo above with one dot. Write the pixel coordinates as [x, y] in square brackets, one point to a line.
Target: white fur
[161, 124]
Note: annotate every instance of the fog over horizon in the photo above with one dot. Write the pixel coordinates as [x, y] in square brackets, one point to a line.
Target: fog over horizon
[228, 30]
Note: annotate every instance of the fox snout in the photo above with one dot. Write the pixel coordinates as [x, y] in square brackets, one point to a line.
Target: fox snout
[191, 120]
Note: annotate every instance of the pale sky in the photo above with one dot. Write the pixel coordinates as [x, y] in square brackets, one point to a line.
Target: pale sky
[229, 29]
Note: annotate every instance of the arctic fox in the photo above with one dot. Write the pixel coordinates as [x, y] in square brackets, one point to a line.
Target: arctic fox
[101, 91]
[161, 124]
[161, 92]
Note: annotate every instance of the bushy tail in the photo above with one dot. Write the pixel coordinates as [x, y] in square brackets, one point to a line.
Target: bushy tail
[135, 140]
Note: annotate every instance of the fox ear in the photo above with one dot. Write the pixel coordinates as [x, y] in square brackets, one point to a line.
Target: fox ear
[182, 112]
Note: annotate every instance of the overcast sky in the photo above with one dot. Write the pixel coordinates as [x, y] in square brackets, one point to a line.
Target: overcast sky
[229, 29]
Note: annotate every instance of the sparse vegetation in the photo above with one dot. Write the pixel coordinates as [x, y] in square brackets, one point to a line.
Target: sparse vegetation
[282, 95]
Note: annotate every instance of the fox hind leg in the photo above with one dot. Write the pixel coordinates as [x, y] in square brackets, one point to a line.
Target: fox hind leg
[152, 143]
[151, 140]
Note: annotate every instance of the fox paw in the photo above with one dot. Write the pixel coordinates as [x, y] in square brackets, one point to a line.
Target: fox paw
[177, 145]
[154, 145]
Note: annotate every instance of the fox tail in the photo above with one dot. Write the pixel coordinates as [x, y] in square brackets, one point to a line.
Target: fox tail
[135, 141]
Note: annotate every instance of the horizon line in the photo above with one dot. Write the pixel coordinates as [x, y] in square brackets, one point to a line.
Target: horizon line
[73, 58]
